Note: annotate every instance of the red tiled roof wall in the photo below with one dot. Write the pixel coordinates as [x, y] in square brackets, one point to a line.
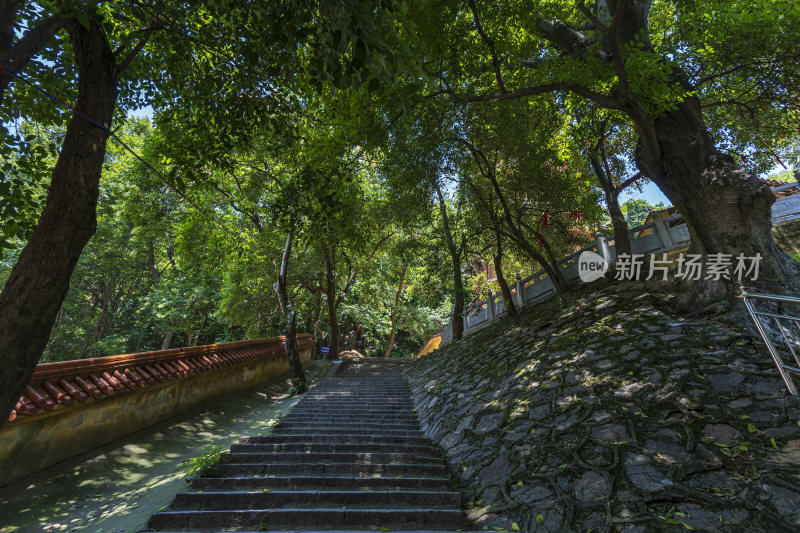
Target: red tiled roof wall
[784, 193]
[61, 384]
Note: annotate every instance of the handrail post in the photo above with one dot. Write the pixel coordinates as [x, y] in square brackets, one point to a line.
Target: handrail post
[663, 232]
[520, 293]
[490, 306]
[602, 247]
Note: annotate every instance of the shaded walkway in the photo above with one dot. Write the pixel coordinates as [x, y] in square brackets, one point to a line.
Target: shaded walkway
[116, 487]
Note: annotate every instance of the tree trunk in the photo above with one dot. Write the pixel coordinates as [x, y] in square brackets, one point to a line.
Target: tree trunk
[317, 320]
[455, 257]
[458, 308]
[330, 292]
[516, 235]
[511, 309]
[40, 279]
[290, 342]
[168, 340]
[389, 346]
[727, 210]
[622, 241]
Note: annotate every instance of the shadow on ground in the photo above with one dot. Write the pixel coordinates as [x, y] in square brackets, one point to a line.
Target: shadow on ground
[115, 488]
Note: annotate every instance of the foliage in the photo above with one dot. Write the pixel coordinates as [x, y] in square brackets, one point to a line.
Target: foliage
[636, 211]
[298, 387]
[200, 466]
[351, 122]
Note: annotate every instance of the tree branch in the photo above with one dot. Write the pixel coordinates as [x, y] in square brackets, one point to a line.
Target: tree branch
[628, 182]
[606, 101]
[567, 39]
[17, 57]
[613, 39]
[126, 61]
[490, 43]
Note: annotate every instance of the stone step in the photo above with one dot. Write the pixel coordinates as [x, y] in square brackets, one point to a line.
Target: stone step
[322, 482]
[342, 438]
[353, 469]
[395, 413]
[328, 447]
[361, 410]
[306, 516]
[322, 427]
[329, 457]
[351, 420]
[373, 399]
[367, 406]
[349, 457]
[317, 530]
[359, 403]
[345, 430]
[316, 411]
[273, 499]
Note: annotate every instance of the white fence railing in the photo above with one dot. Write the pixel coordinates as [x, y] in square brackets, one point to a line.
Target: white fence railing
[669, 234]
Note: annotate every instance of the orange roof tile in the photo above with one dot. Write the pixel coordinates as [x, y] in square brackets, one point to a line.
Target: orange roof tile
[59, 385]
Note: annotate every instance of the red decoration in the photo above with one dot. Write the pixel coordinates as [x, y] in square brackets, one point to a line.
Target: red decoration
[778, 159]
[744, 159]
[545, 216]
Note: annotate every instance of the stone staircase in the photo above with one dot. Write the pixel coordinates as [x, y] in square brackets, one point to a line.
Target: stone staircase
[349, 457]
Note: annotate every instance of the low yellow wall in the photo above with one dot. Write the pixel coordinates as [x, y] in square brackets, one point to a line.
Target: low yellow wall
[35, 442]
[431, 345]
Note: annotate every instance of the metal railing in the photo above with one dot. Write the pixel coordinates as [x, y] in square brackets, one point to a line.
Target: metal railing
[780, 332]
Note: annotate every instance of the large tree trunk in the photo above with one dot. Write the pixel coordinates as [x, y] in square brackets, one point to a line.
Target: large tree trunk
[390, 344]
[727, 210]
[333, 318]
[511, 309]
[290, 342]
[40, 279]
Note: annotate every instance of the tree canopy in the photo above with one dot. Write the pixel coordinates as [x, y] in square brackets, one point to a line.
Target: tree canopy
[360, 163]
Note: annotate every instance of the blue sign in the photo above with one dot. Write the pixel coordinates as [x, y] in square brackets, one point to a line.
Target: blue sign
[325, 349]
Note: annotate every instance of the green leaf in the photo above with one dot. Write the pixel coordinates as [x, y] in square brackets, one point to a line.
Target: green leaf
[539, 518]
[514, 526]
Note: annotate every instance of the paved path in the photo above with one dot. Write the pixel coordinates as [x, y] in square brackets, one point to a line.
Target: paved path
[350, 456]
[115, 488]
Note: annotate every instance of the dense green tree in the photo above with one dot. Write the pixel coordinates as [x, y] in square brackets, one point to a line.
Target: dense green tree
[656, 63]
[636, 211]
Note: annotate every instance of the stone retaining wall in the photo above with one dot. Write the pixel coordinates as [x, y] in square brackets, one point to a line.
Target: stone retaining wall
[606, 412]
